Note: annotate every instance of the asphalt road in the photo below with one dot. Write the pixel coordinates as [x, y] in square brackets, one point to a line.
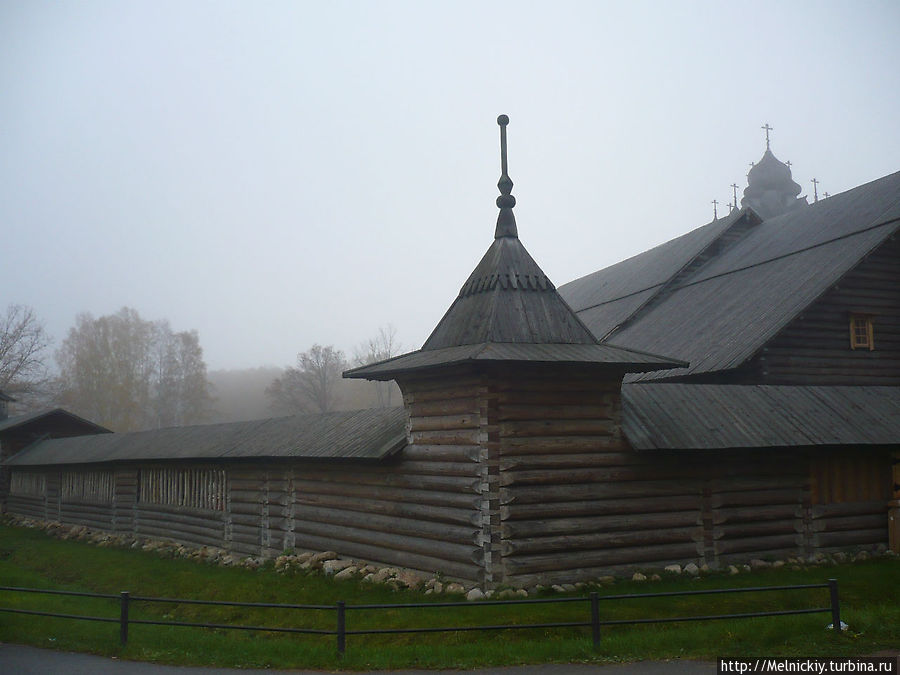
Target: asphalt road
[19, 660]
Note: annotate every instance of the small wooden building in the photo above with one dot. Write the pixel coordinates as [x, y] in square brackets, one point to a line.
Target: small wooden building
[729, 395]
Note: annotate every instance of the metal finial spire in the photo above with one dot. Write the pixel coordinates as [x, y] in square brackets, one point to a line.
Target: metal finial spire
[715, 203]
[734, 188]
[767, 129]
[506, 220]
[815, 189]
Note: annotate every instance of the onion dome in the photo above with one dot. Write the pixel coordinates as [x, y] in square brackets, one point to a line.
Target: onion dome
[770, 189]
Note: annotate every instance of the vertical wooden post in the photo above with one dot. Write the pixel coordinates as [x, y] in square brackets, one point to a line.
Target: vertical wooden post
[835, 606]
[341, 628]
[123, 618]
[595, 619]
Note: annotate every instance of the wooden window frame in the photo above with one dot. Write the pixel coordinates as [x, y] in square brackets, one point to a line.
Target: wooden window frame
[857, 339]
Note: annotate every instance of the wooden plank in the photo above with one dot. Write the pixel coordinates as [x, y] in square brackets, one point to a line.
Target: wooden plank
[606, 540]
[600, 507]
[460, 534]
[442, 549]
[580, 492]
[512, 529]
[437, 514]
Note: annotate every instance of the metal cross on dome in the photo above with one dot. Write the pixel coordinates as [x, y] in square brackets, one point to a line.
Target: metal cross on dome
[767, 129]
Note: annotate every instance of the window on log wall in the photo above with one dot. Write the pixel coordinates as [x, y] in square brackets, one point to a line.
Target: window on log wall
[192, 488]
[88, 486]
[26, 484]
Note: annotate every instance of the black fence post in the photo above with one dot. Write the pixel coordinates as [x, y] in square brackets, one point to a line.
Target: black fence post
[123, 618]
[341, 628]
[595, 619]
[835, 605]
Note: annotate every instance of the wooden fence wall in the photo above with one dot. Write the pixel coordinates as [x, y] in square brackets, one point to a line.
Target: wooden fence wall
[492, 492]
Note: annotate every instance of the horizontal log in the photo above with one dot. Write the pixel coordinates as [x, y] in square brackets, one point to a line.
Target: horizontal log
[441, 453]
[761, 497]
[847, 539]
[167, 512]
[470, 437]
[376, 554]
[867, 522]
[554, 428]
[183, 529]
[558, 526]
[445, 422]
[433, 468]
[430, 547]
[246, 496]
[243, 508]
[756, 514]
[580, 543]
[192, 540]
[600, 507]
[452, 390]
[595, 475]
[28, 510]
[561, 445]
[459, 534]
[578, 492]
[245, 522]
[546, 562]
[541, 397]
[388, 493]
[737, 484]
[437, 514]
[759, 545]
[765, 528]
[554, 410]
[455, 484]
[847, 509]
[158, 520]
[459, 406]
[566, 461]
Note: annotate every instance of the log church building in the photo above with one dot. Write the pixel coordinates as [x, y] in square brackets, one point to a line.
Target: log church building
[731, 394]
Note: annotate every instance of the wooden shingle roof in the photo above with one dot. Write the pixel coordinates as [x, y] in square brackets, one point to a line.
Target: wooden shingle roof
[355, 435]
[508, 310]
[688, 416]
[724, 311]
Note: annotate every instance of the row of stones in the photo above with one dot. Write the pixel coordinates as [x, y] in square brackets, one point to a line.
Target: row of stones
[331, 564]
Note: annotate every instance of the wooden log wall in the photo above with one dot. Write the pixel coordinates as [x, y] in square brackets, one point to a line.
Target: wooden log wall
[574, 502]
[502, 484]
[815, 347]
[421, 510]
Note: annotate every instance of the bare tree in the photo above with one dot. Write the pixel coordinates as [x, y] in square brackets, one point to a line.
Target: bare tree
[381, 347]
[312, 385]
[130, 374]
[23, 355]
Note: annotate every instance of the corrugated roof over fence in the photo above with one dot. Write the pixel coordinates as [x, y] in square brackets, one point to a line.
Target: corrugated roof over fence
[355, 435]
[664, 416]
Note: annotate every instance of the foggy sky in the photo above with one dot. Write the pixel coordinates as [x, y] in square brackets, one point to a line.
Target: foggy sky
[275, 174]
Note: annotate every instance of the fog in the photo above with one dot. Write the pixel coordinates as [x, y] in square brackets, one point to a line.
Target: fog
[274, 174]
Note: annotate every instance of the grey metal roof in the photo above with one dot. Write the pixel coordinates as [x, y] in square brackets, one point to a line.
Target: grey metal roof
[605, 298]
[763, 280]
[683, 416]
[355, 435]
[605, 354]
[27, 418]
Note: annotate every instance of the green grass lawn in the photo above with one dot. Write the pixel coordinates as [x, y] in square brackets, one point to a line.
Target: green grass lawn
[870, 597]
